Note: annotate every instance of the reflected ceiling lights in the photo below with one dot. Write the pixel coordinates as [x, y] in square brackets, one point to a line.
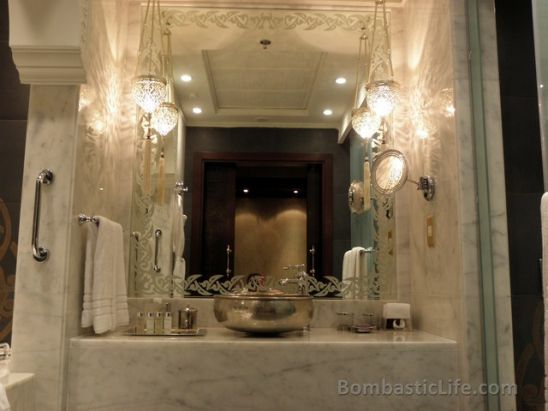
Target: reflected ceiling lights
[186, 78]
[327, 112]
[197, 110]
[340, 80]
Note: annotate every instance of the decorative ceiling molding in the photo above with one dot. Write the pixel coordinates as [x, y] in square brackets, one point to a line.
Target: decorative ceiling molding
[49, 65]
[329, 5]
[268, 19]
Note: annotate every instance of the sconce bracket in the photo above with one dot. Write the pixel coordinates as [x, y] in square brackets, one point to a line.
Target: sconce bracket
[427, 185]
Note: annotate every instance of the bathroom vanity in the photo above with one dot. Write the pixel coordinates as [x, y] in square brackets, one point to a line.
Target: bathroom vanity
[226, 370]
[85, 127]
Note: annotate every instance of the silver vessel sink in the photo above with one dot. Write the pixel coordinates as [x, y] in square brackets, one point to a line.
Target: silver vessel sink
[264, 312]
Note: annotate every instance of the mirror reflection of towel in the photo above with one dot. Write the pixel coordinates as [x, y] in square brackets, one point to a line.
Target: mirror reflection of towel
[354, 271]
[178, 220]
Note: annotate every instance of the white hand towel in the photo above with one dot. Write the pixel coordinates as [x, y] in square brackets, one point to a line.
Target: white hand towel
[4, 403]
[91, 242]
[109, 288]
[179, 270]
[355, 270]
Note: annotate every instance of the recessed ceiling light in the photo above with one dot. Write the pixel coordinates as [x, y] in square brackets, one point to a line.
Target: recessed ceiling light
[197, 110]
[186, 78]
[340, 80]
[245, 190]
[542, 86]
[295, 191]
[327, 112]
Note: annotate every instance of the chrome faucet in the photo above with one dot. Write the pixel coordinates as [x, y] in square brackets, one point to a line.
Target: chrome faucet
[301, 278]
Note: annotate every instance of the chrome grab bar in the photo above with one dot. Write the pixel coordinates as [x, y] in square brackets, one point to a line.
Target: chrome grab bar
[39, 253]
[157, 235]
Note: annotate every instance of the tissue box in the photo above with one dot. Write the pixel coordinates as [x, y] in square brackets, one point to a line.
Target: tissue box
[397, 316]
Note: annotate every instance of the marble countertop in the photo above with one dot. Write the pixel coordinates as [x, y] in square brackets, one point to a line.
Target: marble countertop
[16, 378]
[325, 336]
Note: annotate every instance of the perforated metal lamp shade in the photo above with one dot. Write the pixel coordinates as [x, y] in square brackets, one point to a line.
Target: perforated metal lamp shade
[365, 123]
[382, 97]
[149, 92]
[165, 118]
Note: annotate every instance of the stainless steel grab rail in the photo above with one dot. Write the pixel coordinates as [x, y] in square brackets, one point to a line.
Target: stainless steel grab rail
[39, 253]
[157, 235]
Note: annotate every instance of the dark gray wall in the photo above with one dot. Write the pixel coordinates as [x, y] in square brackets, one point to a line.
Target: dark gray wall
[279, 140]
[524, 188]
[13, 126]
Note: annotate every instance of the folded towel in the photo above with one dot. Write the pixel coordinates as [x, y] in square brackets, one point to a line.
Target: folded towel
[108, 279]
[91, 241]
[355, 264]
[179, 269]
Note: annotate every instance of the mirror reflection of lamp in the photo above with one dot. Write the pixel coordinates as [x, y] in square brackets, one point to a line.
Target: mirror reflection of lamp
[390, 173]
[149, 90]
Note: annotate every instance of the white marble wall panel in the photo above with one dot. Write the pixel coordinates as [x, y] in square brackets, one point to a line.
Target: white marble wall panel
[228, 371]
[85, 140]
[425, 72]
[20, 391]
[106, 127]
[41, 288]
[445, 280]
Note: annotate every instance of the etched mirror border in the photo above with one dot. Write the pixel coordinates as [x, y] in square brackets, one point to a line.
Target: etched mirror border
[143, 281]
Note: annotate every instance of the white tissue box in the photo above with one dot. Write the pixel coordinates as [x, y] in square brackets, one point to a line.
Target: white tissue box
[397, 316]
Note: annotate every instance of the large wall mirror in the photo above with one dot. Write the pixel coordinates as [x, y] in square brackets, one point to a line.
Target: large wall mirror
[256, 177]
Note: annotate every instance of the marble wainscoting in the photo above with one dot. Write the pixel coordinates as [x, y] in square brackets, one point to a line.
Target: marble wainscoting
[232, 371]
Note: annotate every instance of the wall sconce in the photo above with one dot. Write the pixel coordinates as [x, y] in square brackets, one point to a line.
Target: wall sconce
[390, 173]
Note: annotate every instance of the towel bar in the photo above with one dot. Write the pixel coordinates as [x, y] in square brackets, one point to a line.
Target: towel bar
[83, 218]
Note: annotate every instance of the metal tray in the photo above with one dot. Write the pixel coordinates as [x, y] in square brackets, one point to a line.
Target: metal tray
[198, 332]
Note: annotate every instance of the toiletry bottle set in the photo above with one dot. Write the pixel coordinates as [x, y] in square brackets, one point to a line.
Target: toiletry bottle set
[161, 323]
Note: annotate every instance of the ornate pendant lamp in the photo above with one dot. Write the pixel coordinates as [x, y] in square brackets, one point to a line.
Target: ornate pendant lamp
[149, 89]
[382, 92]
[364, 122]
[165, 118]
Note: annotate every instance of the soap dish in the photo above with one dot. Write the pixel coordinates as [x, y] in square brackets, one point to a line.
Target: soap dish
[177, 332]
[363, 329]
